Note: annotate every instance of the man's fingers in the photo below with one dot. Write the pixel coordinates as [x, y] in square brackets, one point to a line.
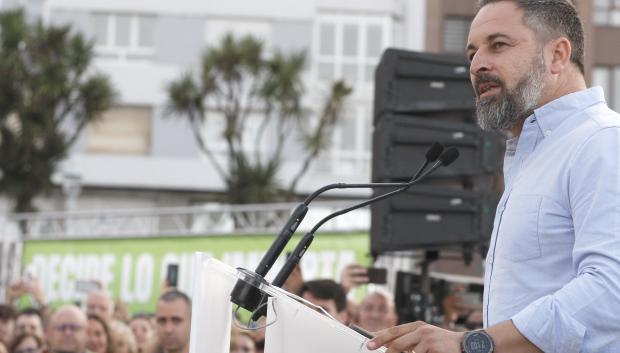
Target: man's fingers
[388, 335]
[360, 279]
[407, 343]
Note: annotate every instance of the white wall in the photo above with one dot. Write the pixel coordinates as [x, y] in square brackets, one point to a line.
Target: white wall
[144, 83]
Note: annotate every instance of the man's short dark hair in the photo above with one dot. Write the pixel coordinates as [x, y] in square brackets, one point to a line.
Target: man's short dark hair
[327, 289]
[551, 19]
[30, 311]
[175, 294]
[7, 312]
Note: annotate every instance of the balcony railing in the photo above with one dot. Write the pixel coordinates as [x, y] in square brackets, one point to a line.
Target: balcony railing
[209, 219]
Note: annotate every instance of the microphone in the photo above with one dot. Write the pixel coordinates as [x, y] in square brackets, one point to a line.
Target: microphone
[431, 156]
[446, 158]
[246, 293]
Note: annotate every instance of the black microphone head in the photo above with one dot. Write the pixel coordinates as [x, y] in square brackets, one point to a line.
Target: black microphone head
[434, 152]
[449, 156]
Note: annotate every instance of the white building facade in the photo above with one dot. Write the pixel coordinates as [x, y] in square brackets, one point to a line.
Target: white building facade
[140, 157]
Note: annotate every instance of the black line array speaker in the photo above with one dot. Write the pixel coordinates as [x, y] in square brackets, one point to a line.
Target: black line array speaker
[400, 140]
[421, 98]
[427, 217]
[411, 82]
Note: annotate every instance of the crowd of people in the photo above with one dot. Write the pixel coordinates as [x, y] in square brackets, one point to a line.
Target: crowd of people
[103, 325]
[100, 326]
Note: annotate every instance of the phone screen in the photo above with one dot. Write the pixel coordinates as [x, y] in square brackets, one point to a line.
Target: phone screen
[172, 275]
[377, 275]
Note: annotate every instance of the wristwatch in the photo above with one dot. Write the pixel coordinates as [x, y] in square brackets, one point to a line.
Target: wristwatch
[477, 342]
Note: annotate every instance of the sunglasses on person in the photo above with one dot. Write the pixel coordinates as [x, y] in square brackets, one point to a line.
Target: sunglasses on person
[70, 327]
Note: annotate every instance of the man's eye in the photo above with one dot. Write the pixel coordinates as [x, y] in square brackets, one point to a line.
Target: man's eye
[498, 45]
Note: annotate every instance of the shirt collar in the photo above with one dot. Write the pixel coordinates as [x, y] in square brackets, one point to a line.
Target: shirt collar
[552, 114]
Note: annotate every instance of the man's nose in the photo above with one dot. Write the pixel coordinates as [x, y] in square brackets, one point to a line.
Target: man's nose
[479, 63]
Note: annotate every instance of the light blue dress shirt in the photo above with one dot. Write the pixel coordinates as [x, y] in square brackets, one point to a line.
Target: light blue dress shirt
[553, 265]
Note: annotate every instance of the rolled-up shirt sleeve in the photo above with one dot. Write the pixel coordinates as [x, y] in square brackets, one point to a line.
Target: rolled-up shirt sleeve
[585, 311]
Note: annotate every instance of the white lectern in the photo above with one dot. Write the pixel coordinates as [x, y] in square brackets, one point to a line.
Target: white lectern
[292, 325]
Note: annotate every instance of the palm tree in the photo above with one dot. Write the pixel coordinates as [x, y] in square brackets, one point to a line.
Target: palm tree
[47, 95]
[236, 83]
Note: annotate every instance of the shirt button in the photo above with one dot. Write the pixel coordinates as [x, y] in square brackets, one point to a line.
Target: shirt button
[547, 132]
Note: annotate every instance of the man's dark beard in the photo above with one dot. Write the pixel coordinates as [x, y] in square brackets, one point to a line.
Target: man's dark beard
[505, 110]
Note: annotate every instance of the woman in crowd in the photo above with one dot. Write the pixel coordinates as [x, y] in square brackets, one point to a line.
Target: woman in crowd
[124, 341]
[27, 343]
[241, 342]
[144, 332]
[98, 335]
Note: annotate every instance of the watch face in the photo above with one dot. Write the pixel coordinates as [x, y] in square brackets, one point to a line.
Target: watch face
[477, 343]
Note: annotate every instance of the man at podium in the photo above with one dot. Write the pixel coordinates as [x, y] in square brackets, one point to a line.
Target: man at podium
[552, 274]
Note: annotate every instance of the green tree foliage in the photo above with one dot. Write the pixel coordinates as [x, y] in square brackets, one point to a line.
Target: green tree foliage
[47, 95]
[236, 82]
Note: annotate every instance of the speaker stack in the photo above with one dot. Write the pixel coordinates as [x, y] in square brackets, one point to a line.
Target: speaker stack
[421, 98]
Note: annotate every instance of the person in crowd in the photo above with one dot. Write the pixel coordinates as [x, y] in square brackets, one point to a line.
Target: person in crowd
[122, 338]
[241, 342]
[328, 295]
[552, 271]
[456, 311]
[3, 348]
[7, 324]
[27, 343]
[98, 335]
[30, 320]
[100, 303]
[173, 314]
[66, 332]
[376, 312]
[121, 313]
[144, 332]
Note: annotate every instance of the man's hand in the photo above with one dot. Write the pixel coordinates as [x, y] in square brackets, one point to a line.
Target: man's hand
[419, 337]
[15, 290]
[352, 276]
[34, 288]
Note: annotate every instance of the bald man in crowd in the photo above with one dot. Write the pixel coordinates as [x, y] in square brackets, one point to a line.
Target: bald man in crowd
[100, 303]
[66, 332]
[376, 312]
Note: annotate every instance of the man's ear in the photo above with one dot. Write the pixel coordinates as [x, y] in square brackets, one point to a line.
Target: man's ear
[561, 51]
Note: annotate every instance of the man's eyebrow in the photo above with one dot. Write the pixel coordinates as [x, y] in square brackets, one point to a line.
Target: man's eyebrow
[490, 38]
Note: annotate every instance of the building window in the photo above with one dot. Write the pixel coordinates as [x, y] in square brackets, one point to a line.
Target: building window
[124, 36]
[121, 130]
[349, 47]
[608, 78]
[349, 154]
[217, 29]
[607, 13]
[455, 30]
